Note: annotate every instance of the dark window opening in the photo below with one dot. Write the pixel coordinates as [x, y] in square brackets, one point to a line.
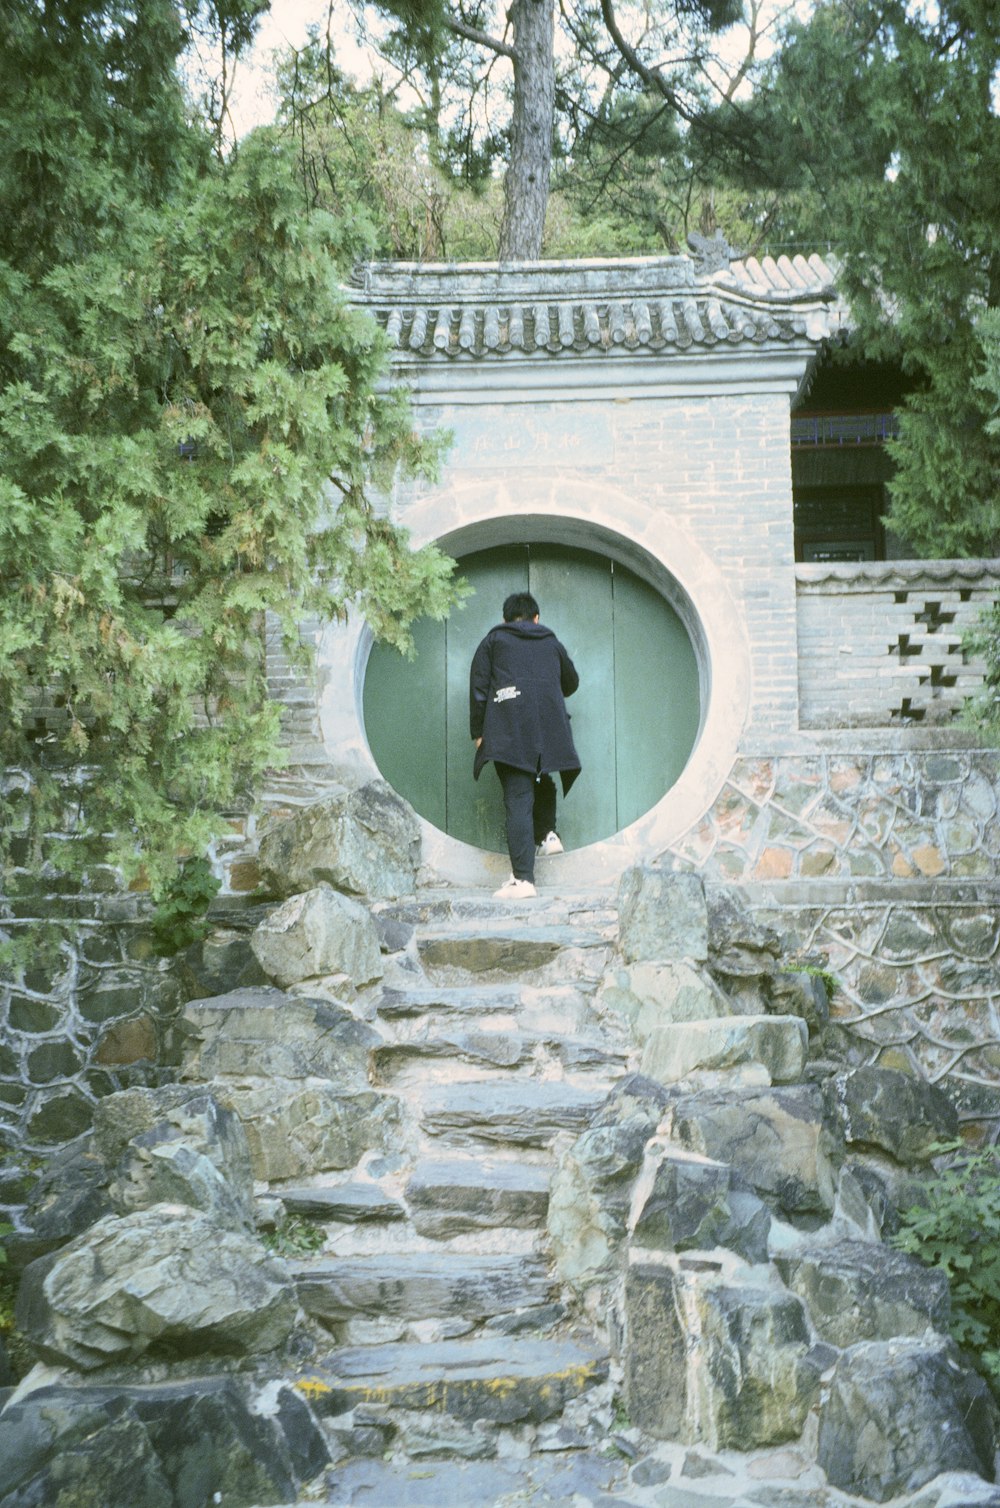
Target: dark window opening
[840, 466]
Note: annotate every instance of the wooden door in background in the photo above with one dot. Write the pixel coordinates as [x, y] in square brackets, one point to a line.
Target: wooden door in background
[635, 717]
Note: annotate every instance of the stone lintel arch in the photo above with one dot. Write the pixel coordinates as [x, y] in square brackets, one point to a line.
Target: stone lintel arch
[649, 541]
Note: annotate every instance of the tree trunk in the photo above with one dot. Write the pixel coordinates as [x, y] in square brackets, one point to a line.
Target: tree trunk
[526, 189]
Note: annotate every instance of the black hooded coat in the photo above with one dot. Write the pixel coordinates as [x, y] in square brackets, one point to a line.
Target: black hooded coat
[520, 677]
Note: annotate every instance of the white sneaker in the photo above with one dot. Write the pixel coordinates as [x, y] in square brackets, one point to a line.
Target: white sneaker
[551, 843]
[515, 890]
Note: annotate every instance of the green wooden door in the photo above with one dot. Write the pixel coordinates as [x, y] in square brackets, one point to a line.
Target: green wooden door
[635, 716]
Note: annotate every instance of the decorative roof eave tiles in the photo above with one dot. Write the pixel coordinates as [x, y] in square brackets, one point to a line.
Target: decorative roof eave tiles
[544, 309]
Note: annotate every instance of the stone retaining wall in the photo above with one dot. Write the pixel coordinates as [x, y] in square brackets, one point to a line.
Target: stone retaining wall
[917, 980]
[96, 1010]
[886, 861]
[882, 810]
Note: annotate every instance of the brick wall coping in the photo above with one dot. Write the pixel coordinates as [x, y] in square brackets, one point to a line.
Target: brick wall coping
[900, 575]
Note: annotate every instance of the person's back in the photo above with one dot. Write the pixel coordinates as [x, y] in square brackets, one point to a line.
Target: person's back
[518, 683]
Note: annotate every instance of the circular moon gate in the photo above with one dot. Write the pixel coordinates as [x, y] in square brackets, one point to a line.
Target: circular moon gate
[636, 715]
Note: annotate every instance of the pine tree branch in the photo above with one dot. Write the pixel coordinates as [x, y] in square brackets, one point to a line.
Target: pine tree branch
[651, 77]
[481, 38]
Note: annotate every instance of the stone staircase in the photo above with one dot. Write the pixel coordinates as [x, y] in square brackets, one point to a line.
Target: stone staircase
[458, 1141]
[434, 1280]
[498, 1202]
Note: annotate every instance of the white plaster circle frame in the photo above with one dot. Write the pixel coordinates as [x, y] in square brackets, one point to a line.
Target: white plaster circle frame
[590, 516]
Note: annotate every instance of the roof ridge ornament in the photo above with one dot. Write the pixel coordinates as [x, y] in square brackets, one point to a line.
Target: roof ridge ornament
[711, 254]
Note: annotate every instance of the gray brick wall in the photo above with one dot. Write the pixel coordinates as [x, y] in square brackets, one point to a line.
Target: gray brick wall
[883, 645]
[719, 465]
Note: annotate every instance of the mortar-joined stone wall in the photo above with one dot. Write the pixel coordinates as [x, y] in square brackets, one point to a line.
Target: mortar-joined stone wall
[885, 862]
[917, 983]
[95, 1009]
[885, 812]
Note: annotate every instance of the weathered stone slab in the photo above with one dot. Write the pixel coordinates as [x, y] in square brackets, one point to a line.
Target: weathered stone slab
[557, 1480]
[890, 1111]
[164, 1445]
[345, 1203]
[860, 1290]
[779, 1043]
[526, 1112]
[315, 934]
[365, 842]
[163, 1281]
[299, 1127]
[592, 1187]
[546, 1008]
[499, 1049]
[739, 945]
[449, 1197]
[264, 1033]
[502, 1379]
[695, 1204]
[634, 1098]
[799, 994]
[662, 915]
[715, 1361]
[590, 1198]
[492, 1047]
[886, 1187]
[899, 1413]
[549, 953]
[175, 1145]
[649, 995]
[437, 1001]
[70, 1195]
[434, 1436]
[775, 1138]
[421, 1285]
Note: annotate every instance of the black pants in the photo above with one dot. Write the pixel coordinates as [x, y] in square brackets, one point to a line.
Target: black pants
[530, 806]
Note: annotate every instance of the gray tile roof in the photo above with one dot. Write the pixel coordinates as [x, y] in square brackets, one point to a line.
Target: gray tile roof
[485, 311]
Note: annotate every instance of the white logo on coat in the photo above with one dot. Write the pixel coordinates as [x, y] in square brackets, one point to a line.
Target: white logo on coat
[506, 694]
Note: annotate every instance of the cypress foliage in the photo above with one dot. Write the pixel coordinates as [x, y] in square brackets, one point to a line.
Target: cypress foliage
[192, 424]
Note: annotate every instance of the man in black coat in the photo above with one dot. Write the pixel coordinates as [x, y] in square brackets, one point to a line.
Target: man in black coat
[520, 677]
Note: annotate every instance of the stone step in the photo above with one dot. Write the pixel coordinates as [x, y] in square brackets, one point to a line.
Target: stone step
[558, 1009]
[346, 1203]
[523, 1112]
[503, 1379]
[448, 1197]
[413, 1286]
[593, 910]
[544, 952]
[428, 1050]
[474, 1478]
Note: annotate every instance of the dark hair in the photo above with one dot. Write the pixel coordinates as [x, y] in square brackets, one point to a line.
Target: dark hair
[519, 605]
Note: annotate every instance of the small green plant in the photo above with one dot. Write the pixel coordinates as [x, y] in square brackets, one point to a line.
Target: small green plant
[619, 1413]
[828, 980]
[294, 1237]
[957, 1231]
[179, 920]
